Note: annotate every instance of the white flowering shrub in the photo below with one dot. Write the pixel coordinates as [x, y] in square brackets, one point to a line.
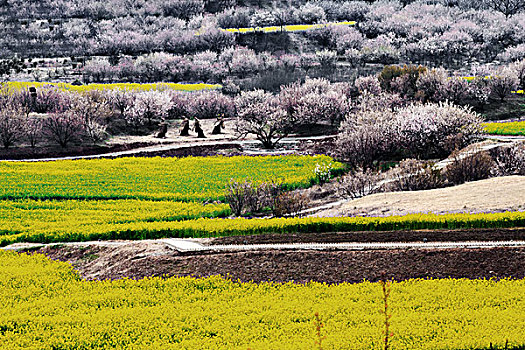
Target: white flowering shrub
[420, 130]
[425, 129]
[323, 172]
[148, 107]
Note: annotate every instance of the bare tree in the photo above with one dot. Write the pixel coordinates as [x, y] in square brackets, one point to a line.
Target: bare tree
[10, 126]
[33, 130]
[507, 7]
[63, 127]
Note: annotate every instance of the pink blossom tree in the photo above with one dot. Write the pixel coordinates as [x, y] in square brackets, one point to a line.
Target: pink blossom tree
[259, 113]
[211, 104]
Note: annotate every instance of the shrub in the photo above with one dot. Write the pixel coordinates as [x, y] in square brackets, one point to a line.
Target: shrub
[419, 130]
[263, 19]
[347, 39]
[323, 173]
[235, 17]
[289, 204]
[401, 80]
[251, 197]
[184, 9]
[237, 194]
[425, 130]
[311, 13]
[503, 83]
[431, 84]
[359, 184]
[474, 166]
[368, 84]
[414, 175]
[510, 160]
[382, 102]
[262, 196]
[379, 50]
[364, 137]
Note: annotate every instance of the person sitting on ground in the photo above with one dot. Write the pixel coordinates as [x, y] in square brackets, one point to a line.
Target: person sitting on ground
[219, 125]
[163, 130]
[185, 131]
[198, 129]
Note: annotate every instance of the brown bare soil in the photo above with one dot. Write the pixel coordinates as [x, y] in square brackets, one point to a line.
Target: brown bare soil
[141, 259]
[386, 236]
[48, 151]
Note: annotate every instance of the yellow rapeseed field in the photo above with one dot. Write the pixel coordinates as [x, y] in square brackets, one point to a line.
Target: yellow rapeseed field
[505, 128]
[45, 221]
[288, 28]
[44, 305]
[180, 179]
[124, 86]
[81, 225]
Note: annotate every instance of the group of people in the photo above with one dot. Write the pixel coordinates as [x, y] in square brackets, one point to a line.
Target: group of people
[185, 131]
[185, 128]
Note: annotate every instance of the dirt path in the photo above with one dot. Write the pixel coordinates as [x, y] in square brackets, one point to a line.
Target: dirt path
[174, 144]
[495, 194]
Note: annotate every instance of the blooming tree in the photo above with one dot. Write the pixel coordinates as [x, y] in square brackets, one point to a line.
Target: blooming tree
[504, 82]
[259, 113]
[93, 109]
[211, 104]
